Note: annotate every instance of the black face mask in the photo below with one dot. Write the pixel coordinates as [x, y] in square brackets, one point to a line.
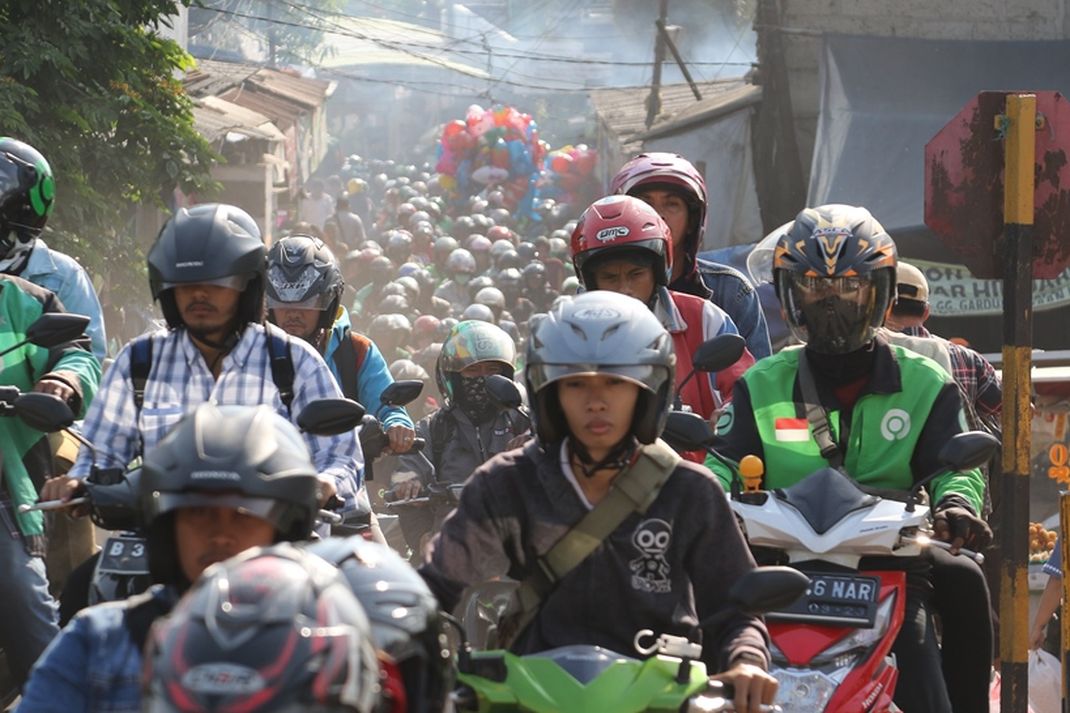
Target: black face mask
[473, 398]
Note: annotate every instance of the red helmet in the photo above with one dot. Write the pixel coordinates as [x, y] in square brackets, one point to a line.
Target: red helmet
[617, 223]
[670, 169]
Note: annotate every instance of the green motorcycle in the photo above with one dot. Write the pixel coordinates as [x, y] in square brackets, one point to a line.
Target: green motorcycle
[582, 679]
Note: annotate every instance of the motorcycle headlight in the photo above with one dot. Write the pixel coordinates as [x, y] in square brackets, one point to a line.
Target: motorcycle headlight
[803, 690]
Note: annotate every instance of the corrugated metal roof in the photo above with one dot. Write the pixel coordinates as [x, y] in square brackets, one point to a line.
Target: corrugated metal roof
[622, 110]
[215, 118]
[214, 78]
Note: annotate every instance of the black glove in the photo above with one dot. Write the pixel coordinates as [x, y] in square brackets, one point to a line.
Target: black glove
[954, 522]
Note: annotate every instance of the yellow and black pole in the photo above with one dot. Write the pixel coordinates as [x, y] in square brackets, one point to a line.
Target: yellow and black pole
[1064, 620]
[1018, 126]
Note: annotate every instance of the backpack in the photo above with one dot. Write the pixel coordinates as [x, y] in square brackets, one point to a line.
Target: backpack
[348, 358]
[282, 369]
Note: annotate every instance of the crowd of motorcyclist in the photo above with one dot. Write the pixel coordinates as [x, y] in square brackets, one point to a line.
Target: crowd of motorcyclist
[382, 278]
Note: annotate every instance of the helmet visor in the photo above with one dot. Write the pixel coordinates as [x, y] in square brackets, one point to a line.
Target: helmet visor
[644, 376]
[234, 282]
[316, 302]
[267, 509]
[833, 315]
[9, 177]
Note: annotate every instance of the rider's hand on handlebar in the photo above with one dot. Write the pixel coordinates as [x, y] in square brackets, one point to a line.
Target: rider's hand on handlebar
[754, 686]
[327, 489]
[960, 527]
[63, 487]
[407, 489]
[56, 388]
[401, 438]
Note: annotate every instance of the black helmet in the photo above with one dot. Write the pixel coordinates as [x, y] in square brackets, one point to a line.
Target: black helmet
[302, 273]
[273, 629]
[834, 272]
[599, 332]
[27, 192]
[247, 457]
[209, 243]
[405, 619]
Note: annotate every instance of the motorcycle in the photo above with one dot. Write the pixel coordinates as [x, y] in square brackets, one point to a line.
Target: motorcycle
[831, 649]
[589, 678]
[121, 568]
[373, 443]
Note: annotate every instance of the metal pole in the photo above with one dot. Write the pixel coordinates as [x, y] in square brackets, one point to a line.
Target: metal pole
[653, 100]
[1064, 620]
[676, 55]
[1018, 186]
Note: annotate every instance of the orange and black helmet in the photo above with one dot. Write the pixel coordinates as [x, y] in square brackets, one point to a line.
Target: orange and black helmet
[834, 272]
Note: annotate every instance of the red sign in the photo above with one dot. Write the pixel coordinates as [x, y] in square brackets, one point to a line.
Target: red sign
[964, 185]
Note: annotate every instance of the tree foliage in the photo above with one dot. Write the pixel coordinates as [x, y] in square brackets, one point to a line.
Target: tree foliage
[95, 88]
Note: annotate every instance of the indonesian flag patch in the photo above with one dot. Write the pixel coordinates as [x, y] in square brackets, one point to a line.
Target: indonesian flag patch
[792, 430]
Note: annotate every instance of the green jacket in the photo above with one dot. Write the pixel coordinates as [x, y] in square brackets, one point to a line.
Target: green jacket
[907, 410]
[24, 450]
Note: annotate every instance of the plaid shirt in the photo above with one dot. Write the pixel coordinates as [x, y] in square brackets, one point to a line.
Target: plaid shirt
[179, 378]
[980, 386]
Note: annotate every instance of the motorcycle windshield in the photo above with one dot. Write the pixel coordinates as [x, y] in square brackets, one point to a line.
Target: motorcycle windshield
[583, 663]
[825, 497]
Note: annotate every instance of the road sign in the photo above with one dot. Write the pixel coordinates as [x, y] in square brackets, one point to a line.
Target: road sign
[964, 185]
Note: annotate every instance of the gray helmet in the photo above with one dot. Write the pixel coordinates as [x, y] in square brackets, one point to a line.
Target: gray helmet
[272, 629]
[246, 457]
[460, 261]
[479, 312]
[210, 243]
[600, 332]
[406, 622]
[303, 273]
[493, 298]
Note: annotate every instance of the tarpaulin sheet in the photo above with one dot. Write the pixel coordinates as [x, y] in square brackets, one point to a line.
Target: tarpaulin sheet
[883, 98]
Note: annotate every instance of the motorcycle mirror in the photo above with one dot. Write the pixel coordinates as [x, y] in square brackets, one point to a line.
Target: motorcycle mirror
[44, 412]
[718, 353]
[766, 589]
[962, 451]
[687, 431]
[504, 391]
[971, 449]
[54, 328]
[403, 392]
[330, 417]
[51, 330]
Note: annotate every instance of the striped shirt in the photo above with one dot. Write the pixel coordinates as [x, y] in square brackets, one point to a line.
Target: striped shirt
[179, 379]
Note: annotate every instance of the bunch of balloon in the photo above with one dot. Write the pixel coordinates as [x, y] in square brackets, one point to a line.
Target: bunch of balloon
[497, 147]
[569, 177]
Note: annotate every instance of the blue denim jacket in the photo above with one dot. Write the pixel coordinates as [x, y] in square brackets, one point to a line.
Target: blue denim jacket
[374, 376]
[93, 665]
[63, 275]
[732, 292]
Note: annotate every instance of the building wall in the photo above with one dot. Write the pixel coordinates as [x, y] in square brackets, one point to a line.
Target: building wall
[805, 21]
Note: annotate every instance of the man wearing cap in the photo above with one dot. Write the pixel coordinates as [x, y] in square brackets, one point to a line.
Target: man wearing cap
[961, 595]
[981, 390]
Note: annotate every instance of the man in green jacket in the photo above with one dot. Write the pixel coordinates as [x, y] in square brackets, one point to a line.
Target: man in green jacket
[71, 372]
[889, 410]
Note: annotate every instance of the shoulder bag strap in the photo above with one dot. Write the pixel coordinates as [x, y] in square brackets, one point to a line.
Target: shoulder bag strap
[632, 491]
[816, 415]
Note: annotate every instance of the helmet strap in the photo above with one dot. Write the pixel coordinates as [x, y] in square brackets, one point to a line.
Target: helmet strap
[619, 457]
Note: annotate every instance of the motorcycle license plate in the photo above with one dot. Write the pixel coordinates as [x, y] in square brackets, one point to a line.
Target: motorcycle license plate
[847, 600]
[124, 555]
